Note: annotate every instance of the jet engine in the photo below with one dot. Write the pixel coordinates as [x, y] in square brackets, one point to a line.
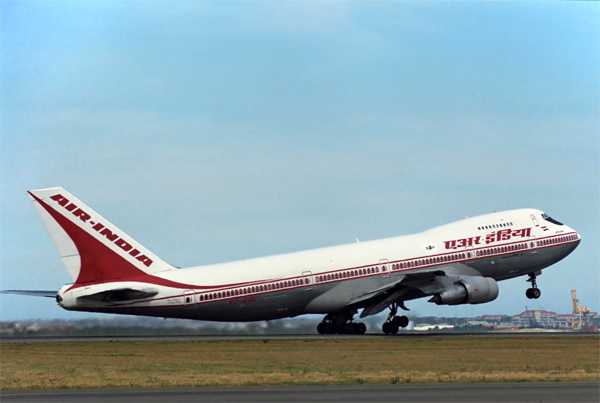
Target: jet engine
[469, 290]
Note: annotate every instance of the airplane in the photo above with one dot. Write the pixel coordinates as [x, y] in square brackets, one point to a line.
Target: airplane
[453, 264]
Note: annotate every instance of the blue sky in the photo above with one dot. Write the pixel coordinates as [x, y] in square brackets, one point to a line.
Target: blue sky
[216, 131]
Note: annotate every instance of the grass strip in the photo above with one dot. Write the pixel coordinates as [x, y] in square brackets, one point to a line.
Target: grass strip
[297, 362]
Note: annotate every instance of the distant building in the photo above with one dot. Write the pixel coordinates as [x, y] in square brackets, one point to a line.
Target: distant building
[478, 323]
[494, 318]
[541, 318]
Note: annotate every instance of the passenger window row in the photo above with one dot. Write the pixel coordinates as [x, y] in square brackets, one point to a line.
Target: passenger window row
[502, 225]
[350, 273]
[432, 260]
[559, 239]
[253, 290]
[502, 249]
[377, 269]
[396, 266]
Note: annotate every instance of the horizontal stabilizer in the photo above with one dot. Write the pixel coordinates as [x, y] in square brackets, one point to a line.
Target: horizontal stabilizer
[31, 293]
[121, 294]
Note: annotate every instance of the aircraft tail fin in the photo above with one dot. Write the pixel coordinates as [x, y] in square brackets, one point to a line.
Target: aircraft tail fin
[91, 248]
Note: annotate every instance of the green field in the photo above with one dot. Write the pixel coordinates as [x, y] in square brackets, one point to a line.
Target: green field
[301, 362]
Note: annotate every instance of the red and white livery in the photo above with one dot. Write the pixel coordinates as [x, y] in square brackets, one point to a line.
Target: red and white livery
[457, 263]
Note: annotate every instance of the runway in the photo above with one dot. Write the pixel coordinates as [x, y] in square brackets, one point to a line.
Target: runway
[5, 340]
[478, 392]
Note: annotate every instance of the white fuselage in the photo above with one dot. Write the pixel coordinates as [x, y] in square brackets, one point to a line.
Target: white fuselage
[500, 245]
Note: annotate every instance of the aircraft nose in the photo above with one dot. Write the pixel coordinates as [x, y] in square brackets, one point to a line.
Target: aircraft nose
[574, 237]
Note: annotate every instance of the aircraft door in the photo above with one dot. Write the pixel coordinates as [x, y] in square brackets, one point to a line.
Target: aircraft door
[535, 221]
[188, 299]
[532, 244]
[307, 278]
[385, 268]
[470, 254]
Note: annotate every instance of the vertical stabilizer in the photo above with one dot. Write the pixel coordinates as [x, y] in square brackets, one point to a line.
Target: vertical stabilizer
[91, 248]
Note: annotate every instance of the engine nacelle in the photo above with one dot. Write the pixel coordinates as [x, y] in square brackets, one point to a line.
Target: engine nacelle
[470, 290]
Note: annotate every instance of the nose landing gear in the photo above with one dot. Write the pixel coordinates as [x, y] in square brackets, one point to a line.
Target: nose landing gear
[393, 323]
[533, 292]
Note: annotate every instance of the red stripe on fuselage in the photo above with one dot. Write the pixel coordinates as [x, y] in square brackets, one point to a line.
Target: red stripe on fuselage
[202, 291]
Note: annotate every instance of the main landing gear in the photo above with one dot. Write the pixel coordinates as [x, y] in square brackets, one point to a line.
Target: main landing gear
[533, 292]
[393, 323]
[340, 324]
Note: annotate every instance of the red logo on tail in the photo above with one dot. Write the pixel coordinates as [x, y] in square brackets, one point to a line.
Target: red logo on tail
[100, 228]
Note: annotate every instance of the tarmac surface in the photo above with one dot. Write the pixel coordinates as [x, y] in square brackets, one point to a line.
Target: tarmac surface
[290, 337]
[474, 392]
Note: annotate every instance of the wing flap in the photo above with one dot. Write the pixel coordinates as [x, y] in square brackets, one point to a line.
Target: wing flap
[375, 293]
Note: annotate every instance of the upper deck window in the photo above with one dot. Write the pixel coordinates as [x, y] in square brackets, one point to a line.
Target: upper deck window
[552, 220]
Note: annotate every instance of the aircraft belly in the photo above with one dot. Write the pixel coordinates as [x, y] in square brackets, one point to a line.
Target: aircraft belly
[498, 267]
[270, 306]
[283, 304]
[521, 263]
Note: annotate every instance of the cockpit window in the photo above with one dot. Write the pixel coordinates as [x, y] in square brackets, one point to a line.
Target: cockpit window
[552, 220]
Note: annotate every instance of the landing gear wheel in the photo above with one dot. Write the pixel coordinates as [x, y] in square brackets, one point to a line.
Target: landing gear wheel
[349, 328]
[402, 321]
[393, 323]
[533, 292]
[340, 323]
[325, 328]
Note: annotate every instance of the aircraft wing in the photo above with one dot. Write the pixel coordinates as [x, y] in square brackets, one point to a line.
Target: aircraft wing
[406, 279]
[379, 299]
[374, 293]
[31, 293]
[423, 276]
